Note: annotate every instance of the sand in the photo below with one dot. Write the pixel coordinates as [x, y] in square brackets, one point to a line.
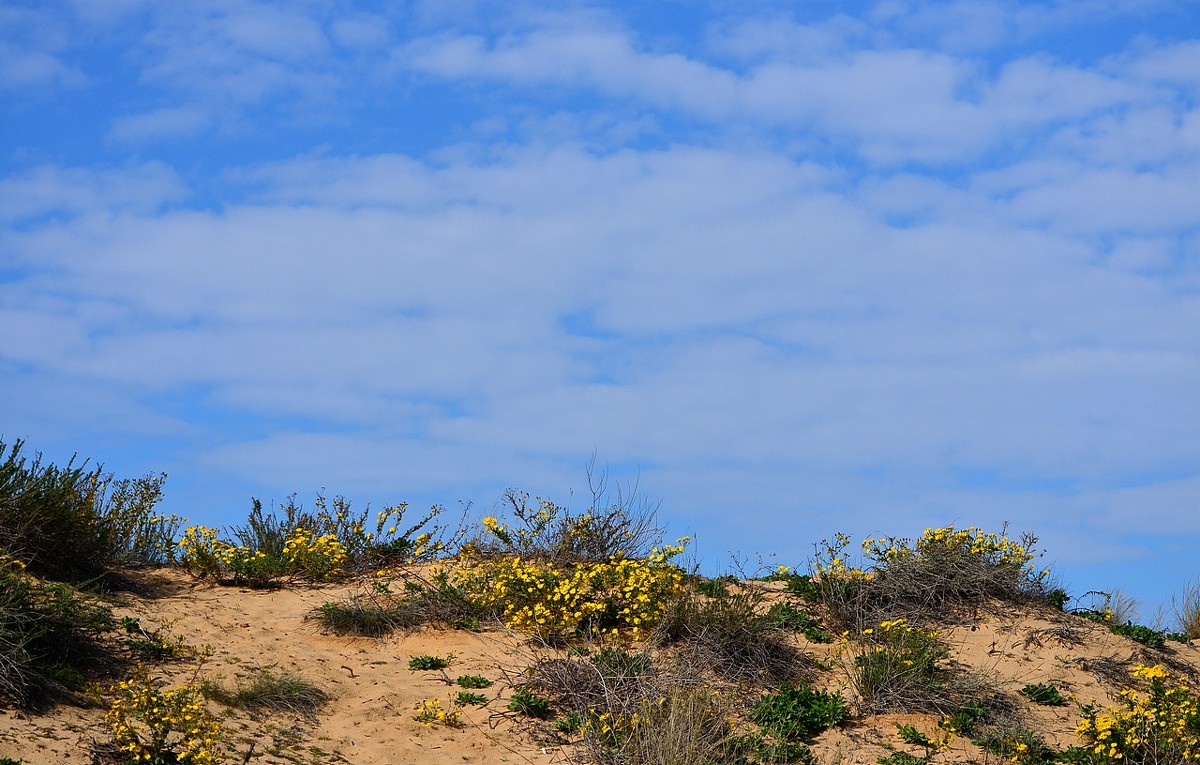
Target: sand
[370, 719]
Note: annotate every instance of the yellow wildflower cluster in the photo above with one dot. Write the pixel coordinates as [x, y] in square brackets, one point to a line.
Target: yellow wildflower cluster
[992, 548]
[316, 558]
[612, 728]
[1160, 723]
[152, 725]
[431, 712]
[545, 598]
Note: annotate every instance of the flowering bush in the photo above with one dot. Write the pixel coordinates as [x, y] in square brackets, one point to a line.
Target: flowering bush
[315, 558]
[897, 668]
[925, 579]
[552, 600]
[1157, 723]
[160, 726]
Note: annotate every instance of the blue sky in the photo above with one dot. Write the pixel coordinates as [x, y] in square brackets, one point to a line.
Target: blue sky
[796, 267]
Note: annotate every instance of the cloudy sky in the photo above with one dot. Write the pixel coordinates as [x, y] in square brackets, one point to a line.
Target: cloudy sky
[795, 267]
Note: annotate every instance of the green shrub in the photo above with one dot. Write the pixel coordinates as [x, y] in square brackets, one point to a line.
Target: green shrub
[897, 670]
[1043, 693]
[50, 636]
[569, 723]
[910, 735]
[427, 662]
[529, 704]
[963, 721]
[1148, 637]
[789, 617]
[798, 713]
[467, 698]
[789, 718]
[75, 523]
[473, 681]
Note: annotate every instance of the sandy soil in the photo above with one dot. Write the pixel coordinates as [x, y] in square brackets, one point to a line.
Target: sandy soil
[374, 694]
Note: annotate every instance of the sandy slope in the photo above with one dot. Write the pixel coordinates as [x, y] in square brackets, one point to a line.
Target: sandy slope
[370, 720]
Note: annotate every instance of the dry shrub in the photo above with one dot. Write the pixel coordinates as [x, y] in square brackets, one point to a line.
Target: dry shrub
[927, 581]
[413, 601]
[731, 637]
[1186, 606]
[638, 708]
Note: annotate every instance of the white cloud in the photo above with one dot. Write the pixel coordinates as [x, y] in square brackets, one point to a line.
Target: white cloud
[51, 190]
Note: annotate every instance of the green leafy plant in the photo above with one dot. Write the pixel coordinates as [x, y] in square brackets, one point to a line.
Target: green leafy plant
[911, 735]
[790, 717]
[569, 723]
[473, 681]
[963, 721]
[529, 704]
[798, 713]
[789, 617]
[900, 758]
[1043, 693]
[1148, 637]
[428, 662]
[467, 698]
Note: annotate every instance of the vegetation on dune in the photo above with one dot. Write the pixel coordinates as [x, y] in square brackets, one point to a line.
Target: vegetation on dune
[631, 657]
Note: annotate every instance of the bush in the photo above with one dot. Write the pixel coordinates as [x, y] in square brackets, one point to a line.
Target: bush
[322, 546]
[897, 670]
[789, 617]
[730, 637]
[1186, 606]
[1160, 722]
[686, 725]
[48, 635]
[75, 523]
[1148, 637]
[614, 526]
[793, 715]
[926, 580]
[529, 704]
[162, 725]
[556, 601]
[380, 610]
